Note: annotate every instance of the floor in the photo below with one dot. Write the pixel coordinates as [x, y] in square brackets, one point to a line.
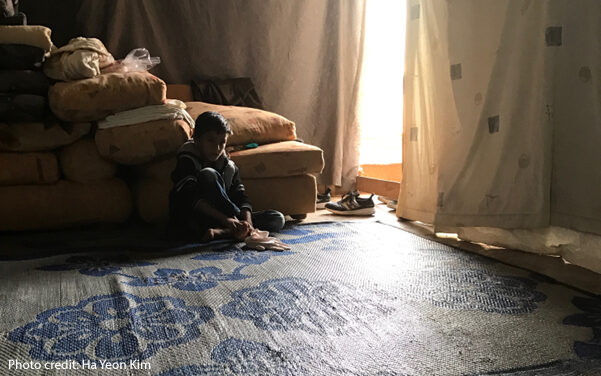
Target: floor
[28, 245]
[554, 267]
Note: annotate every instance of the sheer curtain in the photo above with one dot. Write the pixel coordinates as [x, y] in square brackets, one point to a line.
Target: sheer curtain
[502, 114]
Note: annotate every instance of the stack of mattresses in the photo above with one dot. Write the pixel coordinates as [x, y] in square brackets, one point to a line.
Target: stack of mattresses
[52, 173]
[277, 174]
[33, 194]
[93, 162]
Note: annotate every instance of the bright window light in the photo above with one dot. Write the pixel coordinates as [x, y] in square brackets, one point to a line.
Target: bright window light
[381, 104]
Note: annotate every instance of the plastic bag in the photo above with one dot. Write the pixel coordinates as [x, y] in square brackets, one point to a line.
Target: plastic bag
[137, 60]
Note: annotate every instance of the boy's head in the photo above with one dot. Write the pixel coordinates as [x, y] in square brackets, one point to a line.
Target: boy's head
[210, 135]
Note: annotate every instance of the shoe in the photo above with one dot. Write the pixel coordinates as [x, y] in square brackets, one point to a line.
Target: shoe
[323, 199]
[352, 204]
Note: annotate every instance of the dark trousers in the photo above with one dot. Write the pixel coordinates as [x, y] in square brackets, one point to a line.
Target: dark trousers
[211, 189]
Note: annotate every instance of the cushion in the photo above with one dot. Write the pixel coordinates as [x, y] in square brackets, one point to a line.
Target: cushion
[40, 136]
[95, 98]
[160, 168]
[22, 107]
[289, 195]
[249, 124]
[151, 198]
[31, 35]
[82, 163]
[23, 82]
[286, 158]
[141, 143]
[64, 204]
[21, 57]
[28, 168]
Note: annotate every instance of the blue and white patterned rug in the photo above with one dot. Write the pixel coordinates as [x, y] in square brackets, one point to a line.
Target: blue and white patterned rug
[347, 299]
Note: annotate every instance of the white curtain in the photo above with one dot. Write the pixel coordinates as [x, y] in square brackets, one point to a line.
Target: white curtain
[502, 113]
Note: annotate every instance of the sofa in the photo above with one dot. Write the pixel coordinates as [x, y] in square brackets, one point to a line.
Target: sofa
[71, 172]
[278, 174]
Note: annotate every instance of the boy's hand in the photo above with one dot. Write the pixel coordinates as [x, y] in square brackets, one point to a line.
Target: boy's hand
[246, 216]
[240, 229]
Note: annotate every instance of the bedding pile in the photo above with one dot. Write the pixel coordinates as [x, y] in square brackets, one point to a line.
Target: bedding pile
[75, 122]
[52, 174]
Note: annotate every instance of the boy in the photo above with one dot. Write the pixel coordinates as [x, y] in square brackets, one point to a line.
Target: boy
[208, 200]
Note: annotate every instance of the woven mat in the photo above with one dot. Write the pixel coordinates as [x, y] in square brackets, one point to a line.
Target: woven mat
[347, 299]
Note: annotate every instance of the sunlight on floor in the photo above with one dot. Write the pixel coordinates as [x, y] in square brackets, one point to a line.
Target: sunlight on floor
[382, 90]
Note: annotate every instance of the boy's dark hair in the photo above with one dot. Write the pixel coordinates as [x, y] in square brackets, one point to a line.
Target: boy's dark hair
[211, 121]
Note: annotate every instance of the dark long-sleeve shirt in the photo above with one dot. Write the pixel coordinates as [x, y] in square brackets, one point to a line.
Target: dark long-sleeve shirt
[186, 190]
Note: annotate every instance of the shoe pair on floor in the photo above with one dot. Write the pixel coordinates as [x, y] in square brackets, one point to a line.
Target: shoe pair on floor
[350, 204]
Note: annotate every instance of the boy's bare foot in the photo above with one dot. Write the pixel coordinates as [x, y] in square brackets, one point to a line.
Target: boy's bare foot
[208, 235]
[216, 233]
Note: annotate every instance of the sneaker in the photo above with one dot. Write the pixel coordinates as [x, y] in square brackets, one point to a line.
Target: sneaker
[352, 204]
[323, 199]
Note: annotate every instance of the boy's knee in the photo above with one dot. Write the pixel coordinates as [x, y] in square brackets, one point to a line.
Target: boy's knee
[276, 220]
[208, 174]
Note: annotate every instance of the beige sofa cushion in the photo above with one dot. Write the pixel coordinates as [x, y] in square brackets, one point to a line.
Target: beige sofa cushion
[63, 204]
[140, 143]
[40, 136]
[249, 124]
[95, 98]
[28, 168]
[289, 195]
[82, 163]
[286, 158]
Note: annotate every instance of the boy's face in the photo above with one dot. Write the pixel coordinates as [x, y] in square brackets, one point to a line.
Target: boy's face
[211, 145]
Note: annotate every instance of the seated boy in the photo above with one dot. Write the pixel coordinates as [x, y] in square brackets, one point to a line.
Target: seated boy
[208, 200]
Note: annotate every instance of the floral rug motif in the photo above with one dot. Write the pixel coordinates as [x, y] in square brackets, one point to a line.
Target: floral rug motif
[346, 299]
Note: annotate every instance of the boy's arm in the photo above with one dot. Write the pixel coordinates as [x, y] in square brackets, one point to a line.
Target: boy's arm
[238, 196]
[185, 183]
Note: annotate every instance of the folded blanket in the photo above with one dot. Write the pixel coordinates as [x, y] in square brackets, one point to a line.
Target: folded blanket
[95, 98]
[20, 56]
[23, 82]
[35, 35]
[22, 107]
[80, 58]
[40, 136]
[172, 110]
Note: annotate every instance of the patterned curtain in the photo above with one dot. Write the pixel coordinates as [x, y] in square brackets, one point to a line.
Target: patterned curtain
[502, 113]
